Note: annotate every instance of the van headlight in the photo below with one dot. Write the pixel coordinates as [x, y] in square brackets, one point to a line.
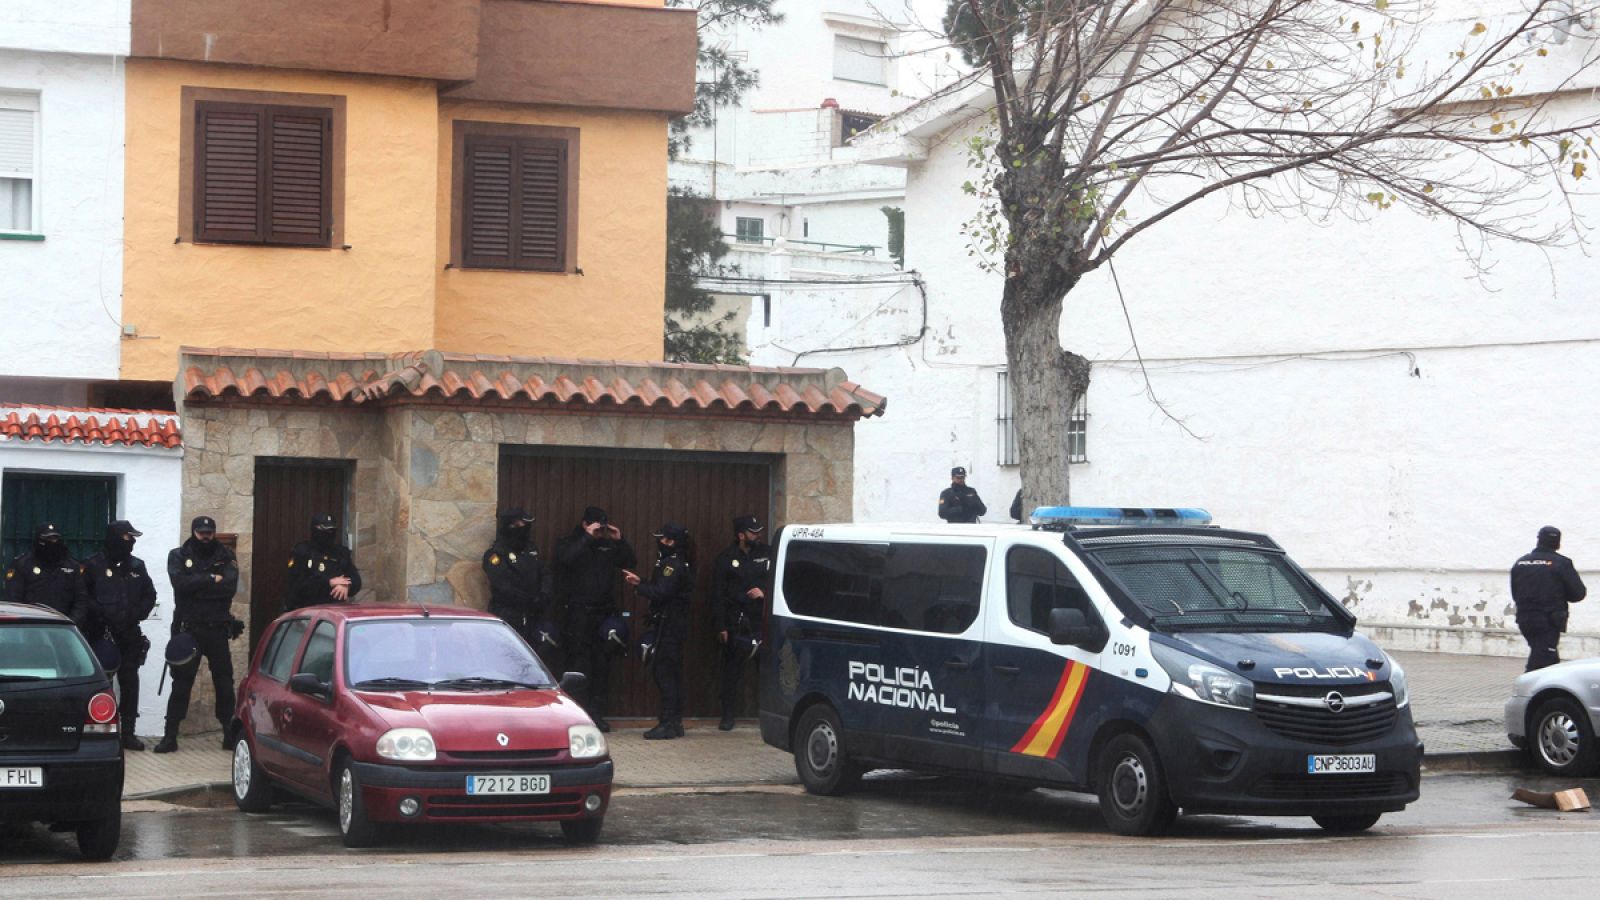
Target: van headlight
[1397, 683]
[1197, 679]
[585, 742]
[407, 745]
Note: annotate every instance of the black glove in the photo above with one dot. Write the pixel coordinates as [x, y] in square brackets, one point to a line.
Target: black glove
[235, 628]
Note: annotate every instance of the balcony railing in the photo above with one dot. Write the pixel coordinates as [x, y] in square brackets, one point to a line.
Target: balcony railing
[822, 246]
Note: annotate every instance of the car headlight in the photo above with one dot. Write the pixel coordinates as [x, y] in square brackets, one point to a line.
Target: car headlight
[1397, 683]
[586, 742]
[1199, 680]
[407, 745]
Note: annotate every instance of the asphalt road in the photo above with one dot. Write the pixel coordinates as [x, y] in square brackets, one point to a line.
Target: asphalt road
[897, 838]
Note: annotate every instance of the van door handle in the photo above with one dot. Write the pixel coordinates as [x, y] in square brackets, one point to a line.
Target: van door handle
[959, 665]
[1008, 669]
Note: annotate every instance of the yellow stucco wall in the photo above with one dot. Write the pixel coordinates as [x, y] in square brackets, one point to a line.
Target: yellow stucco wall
[376, 296]
[613, 310]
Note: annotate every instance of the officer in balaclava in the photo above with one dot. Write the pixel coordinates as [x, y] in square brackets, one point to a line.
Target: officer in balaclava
[321, 570]
[587, 562]
[518, 588]
[1543, 584]
[669, 589]
[741, 587]
[205, 576]
[47, 575]
[121, 596]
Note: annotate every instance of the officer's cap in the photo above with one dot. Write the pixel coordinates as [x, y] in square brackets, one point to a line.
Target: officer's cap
[516, 514]
[47, 530]
[1550, 536]
[673, 530]
[595, 514]
[958, 472]
[204, 525]
[746, 523]
[182, 649]
[122, 527]
[323, 522]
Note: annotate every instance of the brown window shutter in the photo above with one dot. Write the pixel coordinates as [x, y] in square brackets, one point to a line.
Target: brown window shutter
[230, 173]
[299, 195]
[542, 209]
[488, 195]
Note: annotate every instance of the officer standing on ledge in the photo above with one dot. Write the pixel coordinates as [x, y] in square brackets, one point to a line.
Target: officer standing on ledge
[121, 596]
[205, 576]
[321, 570]
[588, 560]
[959, 504]
[517, 583]
[1543, 584]
[669, 590]
[47, 575]
[741, 584]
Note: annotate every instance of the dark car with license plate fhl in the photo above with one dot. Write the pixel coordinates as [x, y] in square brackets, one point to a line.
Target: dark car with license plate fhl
[60, 741]
[397, 715]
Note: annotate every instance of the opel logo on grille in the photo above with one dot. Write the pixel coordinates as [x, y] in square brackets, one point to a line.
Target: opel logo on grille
[501, 737]
[1334, 701]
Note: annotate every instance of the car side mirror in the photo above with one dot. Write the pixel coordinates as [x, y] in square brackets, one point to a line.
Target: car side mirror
[575, 683]
[311, 685]
[1072, 627]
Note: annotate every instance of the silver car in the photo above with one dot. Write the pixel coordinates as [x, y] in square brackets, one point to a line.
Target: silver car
[1554, 713]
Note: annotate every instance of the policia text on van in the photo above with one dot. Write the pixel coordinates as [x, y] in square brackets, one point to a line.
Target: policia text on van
[1134, 654]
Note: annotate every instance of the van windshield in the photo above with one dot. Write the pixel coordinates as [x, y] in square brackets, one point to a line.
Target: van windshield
[1197, 588]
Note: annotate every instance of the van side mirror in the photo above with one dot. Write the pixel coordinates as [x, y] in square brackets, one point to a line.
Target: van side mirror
[311, 685]
[1071, 626]
[575, 684]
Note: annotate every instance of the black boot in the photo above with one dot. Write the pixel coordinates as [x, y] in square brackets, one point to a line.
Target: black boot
[131, 742]
[662, 732]
[677, 728]
[169, 743]
[726, 724]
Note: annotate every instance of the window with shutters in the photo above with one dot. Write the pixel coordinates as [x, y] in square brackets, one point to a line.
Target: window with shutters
[19, 162]
[514, 198]
[263, 174]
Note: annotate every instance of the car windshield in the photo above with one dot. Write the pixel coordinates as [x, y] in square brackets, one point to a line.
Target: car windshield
[44, 652]
[439, 652]
[1200, 588]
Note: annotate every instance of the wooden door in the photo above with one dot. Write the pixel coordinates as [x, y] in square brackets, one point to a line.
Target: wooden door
[288, 493]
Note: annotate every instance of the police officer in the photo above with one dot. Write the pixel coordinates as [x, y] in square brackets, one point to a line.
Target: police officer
[47, 575]
[958, 503]
[1543, 584]
[121, 596]
[321, 570]
[588, 560]
[669, 590]
[1016, 506]
[517, 585]
[741, 582]
[205, 576]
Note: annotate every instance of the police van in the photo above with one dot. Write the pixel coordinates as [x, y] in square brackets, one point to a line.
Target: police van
[1137, 654]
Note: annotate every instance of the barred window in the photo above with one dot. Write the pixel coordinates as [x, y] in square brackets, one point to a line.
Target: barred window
[1006, 426]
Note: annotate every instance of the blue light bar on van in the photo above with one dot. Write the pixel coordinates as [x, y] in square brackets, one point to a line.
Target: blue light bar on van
[1118, 515]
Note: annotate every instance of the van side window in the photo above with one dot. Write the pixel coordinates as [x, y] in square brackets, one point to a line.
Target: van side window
[918, 587]
[1036, 583]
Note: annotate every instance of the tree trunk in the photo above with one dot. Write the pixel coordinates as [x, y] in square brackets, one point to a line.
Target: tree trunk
[1046, 382]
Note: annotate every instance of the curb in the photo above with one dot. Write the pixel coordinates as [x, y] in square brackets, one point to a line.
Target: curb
[1475, 761]
[176, 791]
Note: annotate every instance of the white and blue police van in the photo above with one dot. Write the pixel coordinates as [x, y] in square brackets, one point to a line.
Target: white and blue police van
[1137, 654]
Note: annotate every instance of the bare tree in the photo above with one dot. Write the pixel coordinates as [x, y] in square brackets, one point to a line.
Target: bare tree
[1111, 116]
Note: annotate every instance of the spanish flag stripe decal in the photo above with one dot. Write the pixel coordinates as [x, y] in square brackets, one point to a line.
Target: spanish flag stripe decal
[1045, 736]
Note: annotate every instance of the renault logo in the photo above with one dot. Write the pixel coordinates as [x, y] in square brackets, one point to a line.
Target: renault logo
[501, 737]
[1334, 701]
[2, 707]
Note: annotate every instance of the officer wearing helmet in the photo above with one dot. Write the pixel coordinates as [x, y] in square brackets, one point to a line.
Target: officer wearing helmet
[204, 576]
[958, 503]
[669, 588]
[587, 562]
[518, 586]
[322, 570]
[121, 595]
[741, 583]
[47, 575]
[1543, 585]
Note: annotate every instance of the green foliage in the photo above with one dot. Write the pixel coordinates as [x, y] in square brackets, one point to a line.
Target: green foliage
[722, 78]
[897, 233]
[695, 249]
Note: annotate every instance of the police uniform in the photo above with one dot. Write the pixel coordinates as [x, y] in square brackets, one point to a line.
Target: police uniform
[586, 571]
[1543, 584]
[204, 576]
[959, 504]
[669, 588]
[47, 575]
[121, 596]
[313, 565]
[517, 584]
[736, 571]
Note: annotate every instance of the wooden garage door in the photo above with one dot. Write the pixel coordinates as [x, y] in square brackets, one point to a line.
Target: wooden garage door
[641, 490]
[288, 493]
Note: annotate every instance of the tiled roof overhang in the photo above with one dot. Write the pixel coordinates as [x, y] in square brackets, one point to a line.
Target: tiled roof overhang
[433, 378]
[105, 427]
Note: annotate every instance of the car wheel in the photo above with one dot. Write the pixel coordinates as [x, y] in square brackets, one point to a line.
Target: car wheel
[581, 831]
[1562, 738]
[1132, 788]
[251, 791]
[825, 767]
[97, 840]
[354, 826]
[1347, 824]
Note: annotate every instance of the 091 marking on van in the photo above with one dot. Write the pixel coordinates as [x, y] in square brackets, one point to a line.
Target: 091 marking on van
[1050, 729]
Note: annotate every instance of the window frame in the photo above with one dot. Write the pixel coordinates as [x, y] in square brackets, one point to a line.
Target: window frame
[1090, 610]
[333, 650]
[882, 57]
[275, 645]
[461, 131]
[31, 102]
[739, 235]
[1008, 447]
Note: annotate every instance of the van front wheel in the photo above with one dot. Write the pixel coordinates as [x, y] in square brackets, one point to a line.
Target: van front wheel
[825, 767]
[1133, 790]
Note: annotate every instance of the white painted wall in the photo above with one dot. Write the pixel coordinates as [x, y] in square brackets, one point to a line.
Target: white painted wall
[61, 298]
[149, 488]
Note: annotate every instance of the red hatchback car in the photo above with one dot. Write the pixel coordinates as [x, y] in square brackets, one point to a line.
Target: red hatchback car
[401, 714]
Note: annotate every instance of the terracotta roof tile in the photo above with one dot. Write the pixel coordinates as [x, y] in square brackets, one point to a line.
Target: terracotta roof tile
[66, 425]
[368, 378]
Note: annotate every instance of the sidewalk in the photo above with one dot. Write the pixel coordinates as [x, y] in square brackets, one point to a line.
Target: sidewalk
[1456, 701]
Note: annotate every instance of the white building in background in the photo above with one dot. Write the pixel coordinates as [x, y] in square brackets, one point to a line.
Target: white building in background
[61, 189]
[1402, 426]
